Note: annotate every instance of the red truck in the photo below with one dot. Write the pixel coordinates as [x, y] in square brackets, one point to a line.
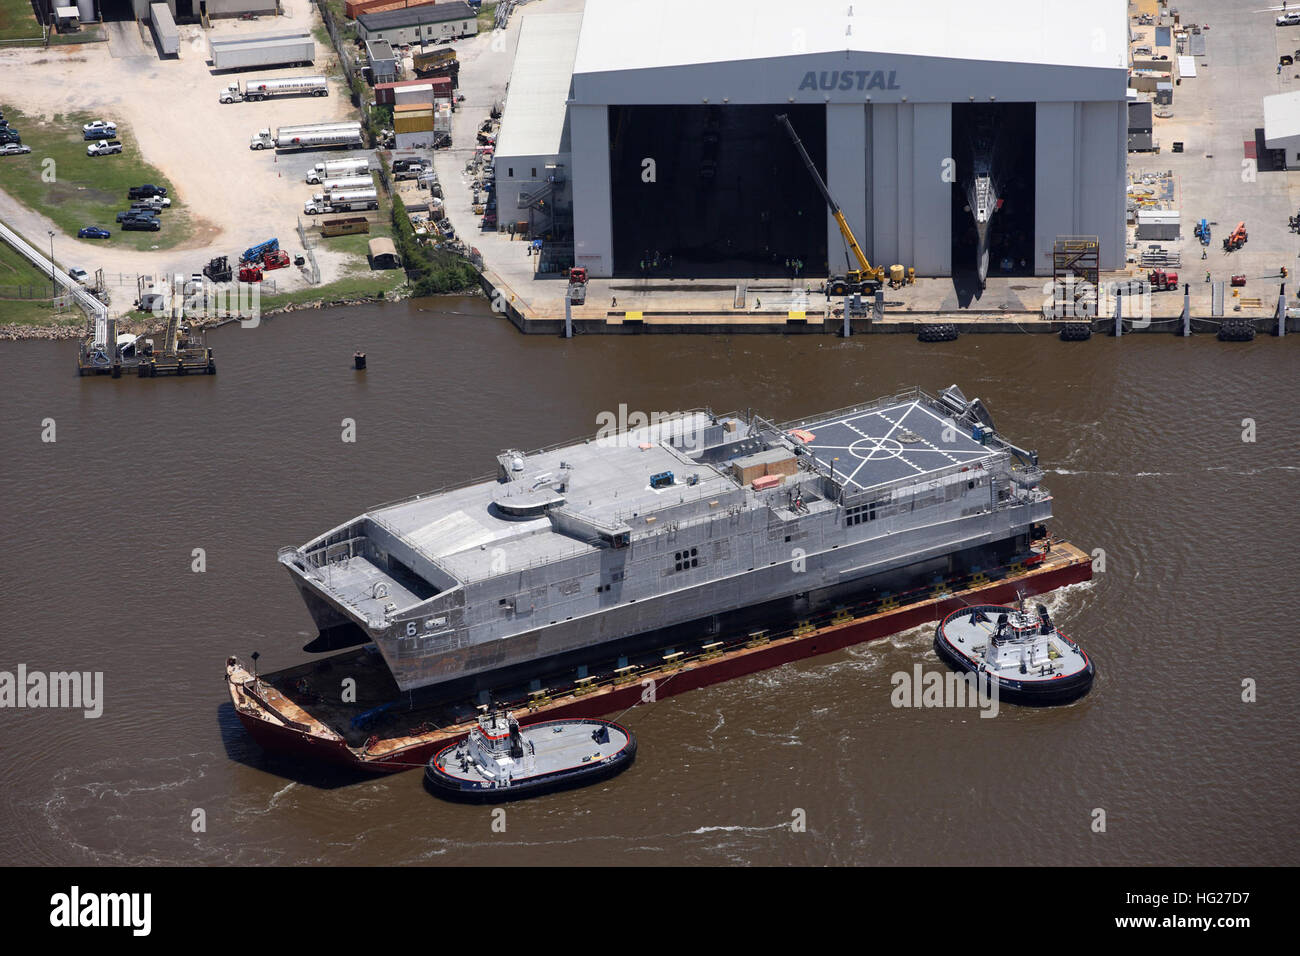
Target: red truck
[1162, 281]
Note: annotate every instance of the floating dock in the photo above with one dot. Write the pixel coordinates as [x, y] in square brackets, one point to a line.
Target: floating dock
[182, 352]
[287, 714]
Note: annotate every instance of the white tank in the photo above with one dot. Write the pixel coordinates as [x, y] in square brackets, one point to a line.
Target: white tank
[86, 10]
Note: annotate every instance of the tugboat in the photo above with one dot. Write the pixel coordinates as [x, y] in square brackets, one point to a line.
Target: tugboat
[1021, 652]
[500, 760]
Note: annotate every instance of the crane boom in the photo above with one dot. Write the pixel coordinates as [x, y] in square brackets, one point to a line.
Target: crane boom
[867, 271]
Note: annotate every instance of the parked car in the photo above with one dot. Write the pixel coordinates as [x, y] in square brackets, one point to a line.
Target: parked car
[14, 149]
[77, 275]
[1288, 19]
[104, 147]
[99, 134]
[136, 214]
[142, 223]
[9, 135]
[145, 191]
[152, 202]
[97, 126]
[92, 232]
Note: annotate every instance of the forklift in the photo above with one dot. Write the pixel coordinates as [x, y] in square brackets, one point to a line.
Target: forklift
[1236, 239]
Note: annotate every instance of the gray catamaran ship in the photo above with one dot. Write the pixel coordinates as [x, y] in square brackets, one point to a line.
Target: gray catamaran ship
[982, 190]
[689, 525]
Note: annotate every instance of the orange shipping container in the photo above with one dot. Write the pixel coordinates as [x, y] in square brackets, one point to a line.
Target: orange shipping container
[353, 8]
[413, 124]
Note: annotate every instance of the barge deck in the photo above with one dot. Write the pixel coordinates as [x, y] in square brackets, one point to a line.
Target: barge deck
[379, 731]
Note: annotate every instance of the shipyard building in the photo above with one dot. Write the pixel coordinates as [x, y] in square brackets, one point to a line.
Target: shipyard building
[660, 116]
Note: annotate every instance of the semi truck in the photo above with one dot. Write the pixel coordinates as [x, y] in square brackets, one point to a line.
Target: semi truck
[345, 200]
[263, 88]
[244, 53]
[346, 182]
[337, 169]
[309, 137]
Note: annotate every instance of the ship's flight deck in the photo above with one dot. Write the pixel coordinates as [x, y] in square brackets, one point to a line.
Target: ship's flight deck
[904, 440]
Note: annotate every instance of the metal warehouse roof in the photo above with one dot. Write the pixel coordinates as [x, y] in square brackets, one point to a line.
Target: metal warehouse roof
[648, 34]
[533, 121]
[410, 16]
[1281, 118]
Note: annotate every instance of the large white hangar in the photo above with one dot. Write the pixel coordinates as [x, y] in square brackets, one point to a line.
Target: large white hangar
[677, 157]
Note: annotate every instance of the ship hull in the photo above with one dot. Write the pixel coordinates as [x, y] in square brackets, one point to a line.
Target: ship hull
[444, 785]
[296, 742]
[1029, 693]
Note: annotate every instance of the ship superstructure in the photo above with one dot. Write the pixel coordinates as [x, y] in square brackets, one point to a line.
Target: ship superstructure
[582, 547]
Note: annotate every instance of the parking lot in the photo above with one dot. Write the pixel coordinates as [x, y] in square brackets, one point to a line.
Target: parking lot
[236, 196]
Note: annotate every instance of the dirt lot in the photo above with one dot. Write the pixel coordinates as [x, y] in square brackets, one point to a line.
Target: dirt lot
[237, 196]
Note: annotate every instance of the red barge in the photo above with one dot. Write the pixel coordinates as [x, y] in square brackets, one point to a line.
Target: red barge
[286, 714]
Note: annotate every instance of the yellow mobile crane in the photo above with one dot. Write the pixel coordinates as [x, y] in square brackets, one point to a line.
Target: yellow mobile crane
[866, 278]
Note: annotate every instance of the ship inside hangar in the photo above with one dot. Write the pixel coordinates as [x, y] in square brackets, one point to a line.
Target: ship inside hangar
[651, 144]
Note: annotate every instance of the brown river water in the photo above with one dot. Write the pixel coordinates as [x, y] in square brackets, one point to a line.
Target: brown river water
[1142, 443]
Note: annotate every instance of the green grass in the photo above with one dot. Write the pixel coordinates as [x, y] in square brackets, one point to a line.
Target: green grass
[487, 15]
[359, 284]
[17, 22]
[17, 271]
[86, 191]
[89, 33]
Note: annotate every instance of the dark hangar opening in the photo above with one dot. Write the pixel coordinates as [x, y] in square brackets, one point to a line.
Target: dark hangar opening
[730, 197]
[1011, 235]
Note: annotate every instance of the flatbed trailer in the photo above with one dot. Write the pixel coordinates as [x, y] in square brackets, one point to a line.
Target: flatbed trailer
[297, 711]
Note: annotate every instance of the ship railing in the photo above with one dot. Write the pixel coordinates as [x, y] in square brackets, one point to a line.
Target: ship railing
[907, 395]
[999, 464]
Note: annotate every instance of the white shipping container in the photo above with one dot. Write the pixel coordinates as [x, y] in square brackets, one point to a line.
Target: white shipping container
[422, 93]
[267, 50]
[169, 38]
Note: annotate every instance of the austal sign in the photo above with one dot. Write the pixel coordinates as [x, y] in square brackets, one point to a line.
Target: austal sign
[850, 80]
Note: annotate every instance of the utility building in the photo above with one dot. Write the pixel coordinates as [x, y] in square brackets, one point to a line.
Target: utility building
[420, 26]
[675, 151]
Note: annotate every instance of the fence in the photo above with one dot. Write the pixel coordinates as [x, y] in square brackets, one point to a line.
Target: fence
[311, 256]
[41, 291]
[335, 37]
[85, 301]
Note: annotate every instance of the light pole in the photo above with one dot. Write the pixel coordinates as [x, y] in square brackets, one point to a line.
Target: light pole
[54, 289]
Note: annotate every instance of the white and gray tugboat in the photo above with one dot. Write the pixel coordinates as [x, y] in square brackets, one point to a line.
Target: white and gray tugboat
[1021, 652]
[500, 760]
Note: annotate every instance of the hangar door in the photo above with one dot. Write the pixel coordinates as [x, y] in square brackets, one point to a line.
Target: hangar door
[715, 191]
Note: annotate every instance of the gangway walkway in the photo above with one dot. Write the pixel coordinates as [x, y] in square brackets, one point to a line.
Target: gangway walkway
[94, 309]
